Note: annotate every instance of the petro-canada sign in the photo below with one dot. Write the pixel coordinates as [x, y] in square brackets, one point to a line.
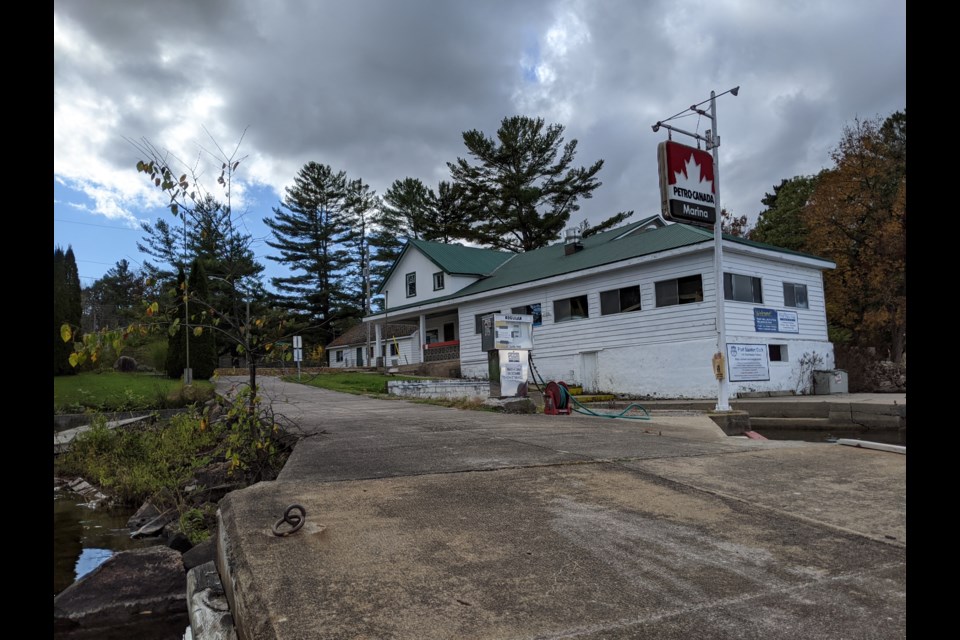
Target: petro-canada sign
[686, 183]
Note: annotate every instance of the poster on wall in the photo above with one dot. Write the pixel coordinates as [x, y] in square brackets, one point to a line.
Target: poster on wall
[787, 322]
[748, 362]
[773, 321]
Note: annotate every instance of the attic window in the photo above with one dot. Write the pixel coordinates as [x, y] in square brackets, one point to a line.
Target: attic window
[412, 284]
[438, 281]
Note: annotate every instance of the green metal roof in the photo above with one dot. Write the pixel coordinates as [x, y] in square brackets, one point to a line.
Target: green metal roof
[604, 248]
[459, 260]
[455, 259]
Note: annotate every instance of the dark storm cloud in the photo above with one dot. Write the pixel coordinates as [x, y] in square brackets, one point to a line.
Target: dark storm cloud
[385, 89]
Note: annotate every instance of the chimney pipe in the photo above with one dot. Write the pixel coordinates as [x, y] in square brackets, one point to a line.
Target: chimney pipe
[571, 241]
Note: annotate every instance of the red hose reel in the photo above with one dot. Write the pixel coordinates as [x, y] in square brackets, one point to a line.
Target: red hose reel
[556, 399]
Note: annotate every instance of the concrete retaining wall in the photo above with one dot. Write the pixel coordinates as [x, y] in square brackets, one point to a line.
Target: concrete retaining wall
[439, 388]
[64, 421]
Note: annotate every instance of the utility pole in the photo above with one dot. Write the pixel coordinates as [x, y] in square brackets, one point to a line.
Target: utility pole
[366, 299]
[187, 371]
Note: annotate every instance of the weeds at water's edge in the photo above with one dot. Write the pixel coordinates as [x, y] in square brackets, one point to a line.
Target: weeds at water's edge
[175, 463]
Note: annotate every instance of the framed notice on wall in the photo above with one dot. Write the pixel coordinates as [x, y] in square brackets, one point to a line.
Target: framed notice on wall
[773, 321]
[748, 362]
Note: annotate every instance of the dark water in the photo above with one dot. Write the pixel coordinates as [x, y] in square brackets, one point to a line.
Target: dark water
[83, 538]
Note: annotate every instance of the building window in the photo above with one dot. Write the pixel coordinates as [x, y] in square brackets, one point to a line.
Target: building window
[795, 295]
[742, 288]
[620, 300]
[570, 309]
[393, 348]
[411, 284]
[530, 310]
[684, 290]
[340, 355]
[478, 320]
[778, 352]
[438, 281]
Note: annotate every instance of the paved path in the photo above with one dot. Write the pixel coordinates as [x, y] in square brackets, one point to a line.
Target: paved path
[427, 522]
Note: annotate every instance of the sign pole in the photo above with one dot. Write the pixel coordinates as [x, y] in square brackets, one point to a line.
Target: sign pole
[723, 389]
[683, 204]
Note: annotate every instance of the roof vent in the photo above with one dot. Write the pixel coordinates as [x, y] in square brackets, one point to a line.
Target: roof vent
[571, 241]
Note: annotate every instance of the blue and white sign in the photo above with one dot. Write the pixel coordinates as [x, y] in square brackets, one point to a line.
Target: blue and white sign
[773, 321]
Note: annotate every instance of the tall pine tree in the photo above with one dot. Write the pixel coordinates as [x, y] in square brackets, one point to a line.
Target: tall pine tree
[203, 347]
[308, 230]
[67, 307]
[213, 238]
[361, 205]
[176, 346]
[522, 189]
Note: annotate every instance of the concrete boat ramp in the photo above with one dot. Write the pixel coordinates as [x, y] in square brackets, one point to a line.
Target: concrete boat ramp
[427, 522]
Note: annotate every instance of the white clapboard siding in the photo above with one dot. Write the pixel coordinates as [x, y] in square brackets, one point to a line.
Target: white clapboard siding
[739, 315]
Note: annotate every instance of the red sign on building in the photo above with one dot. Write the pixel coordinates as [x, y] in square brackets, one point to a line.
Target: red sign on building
[686, 183]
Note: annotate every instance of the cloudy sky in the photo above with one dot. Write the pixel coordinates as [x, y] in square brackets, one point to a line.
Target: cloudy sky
[384, 89]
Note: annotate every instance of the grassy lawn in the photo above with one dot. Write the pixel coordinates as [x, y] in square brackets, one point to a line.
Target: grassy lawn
[114, 391]
[352, 382]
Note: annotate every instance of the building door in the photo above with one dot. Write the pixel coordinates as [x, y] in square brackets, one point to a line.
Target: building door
[588, 371]
[359, 356]
[448, 333]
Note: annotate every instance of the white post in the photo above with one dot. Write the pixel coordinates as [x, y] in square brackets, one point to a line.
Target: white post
[423, 338]
[378, 342]
[723, 390]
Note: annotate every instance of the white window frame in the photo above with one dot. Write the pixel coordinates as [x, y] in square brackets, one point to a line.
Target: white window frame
[557, 316]
[743, 288]
[794, 287]
[619, 296]
[662, 287]
[411, 279]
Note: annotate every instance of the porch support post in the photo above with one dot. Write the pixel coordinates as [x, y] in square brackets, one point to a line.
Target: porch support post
[423, 337]
[378, 343]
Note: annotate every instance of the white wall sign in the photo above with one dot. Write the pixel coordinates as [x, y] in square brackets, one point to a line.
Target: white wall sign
[748, 362]
[514, 371]
[787, 322]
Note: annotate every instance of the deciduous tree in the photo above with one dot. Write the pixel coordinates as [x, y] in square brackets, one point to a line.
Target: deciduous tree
[857, 217]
